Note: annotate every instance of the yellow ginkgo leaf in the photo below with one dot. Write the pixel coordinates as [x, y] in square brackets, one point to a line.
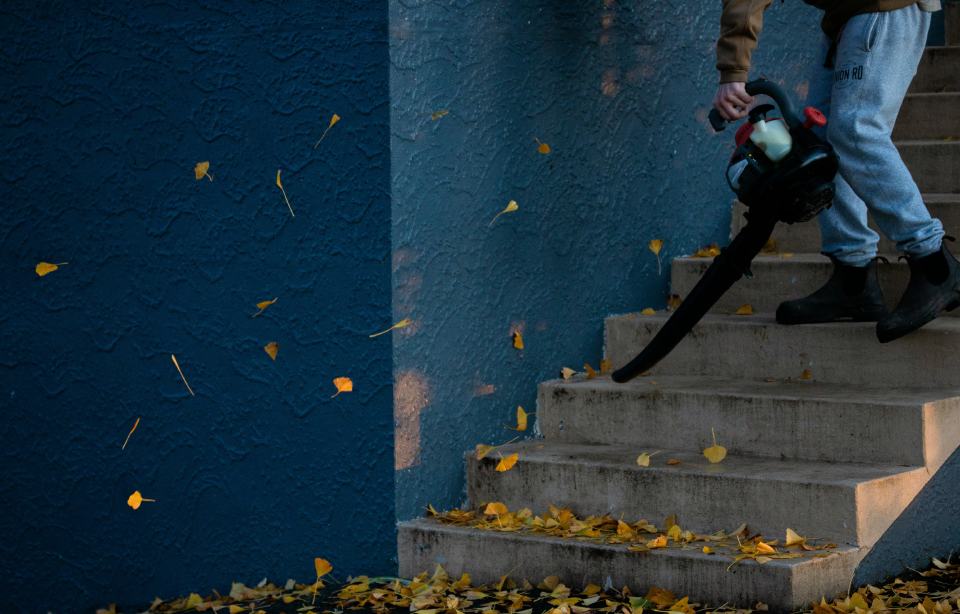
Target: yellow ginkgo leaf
[624, 530]
[201, 170]
[542, 147]
[655, 246]
[707, 550]
[793, 538]
[605, 366]
[807, 374]
[402, 323]
[438, 114]
[136, 499]
[567, 372]
[271, 349]
[507, 462]
[511, 206]
[135, 425]
[45, 268]
[517, 340]
[657, 542]
[649, 311]
[322, 566]
[707, 252]
[744, 310]
[495, 508]
[521, 419]
[482, 450]
[334, 119]
[715, 453]
[674, 532]
[644, 458]
[193, 600]
[590, 372]
[235, 609]
[343, 384]
[765, 548]
[182, 376]
[284, 192]
[262, 305]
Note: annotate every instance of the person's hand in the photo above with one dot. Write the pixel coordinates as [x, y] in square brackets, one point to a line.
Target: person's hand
[732, 100]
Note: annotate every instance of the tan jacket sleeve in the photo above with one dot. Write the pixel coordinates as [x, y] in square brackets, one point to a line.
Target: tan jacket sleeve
[740, 25]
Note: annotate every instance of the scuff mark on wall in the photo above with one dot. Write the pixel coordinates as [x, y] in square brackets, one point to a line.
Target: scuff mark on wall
[411, 396]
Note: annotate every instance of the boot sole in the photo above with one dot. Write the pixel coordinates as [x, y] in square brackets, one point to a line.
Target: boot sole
[892, 335]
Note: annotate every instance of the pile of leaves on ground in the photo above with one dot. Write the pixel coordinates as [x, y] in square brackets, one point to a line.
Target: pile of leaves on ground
[935, 590]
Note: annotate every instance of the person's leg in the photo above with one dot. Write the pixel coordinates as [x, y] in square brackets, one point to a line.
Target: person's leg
[845, 235]
[853, 290]
[877, 57]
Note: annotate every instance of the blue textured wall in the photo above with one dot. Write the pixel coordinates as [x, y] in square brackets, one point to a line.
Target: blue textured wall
[620, 91]
[105, 111]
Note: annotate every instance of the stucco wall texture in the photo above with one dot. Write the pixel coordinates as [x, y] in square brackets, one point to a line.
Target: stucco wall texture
[106, 108]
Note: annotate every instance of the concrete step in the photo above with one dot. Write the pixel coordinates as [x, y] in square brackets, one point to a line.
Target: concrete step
[938, 71]
[951, 22]
[783, 584]
[777, 278]
[929, 116]
[849, 503]
[789, 420]
[805, 237]
[756, 347]
[935, 165]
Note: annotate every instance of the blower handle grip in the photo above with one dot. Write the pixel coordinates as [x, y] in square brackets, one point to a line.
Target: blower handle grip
[765, 88]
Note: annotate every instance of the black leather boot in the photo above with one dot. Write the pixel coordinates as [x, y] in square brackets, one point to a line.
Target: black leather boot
[934, 287]
[851, 294]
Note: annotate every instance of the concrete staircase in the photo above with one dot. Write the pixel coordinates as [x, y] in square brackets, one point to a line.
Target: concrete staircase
[828, 432]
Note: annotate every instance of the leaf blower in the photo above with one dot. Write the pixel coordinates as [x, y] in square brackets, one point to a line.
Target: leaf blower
[783, 172]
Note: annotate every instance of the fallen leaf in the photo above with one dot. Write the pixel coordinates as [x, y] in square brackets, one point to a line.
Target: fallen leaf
[201, 170]
[136, 499]
[715, 453]
[807, 374]
[744, 310]
[511, 206]
[322, 566]
[182, 376]
[644, 458]
[567, 372]
[343, 384]
[655, 246]
[793, 538]
[271, 349]
[605, 366]
[334, 119]
[542, 147]
[707, 252]
[521, 419]
[649, 311]
[45, 268]
[517, 340]
[402, 323]
[658, 542]
[673, 461]
[438, 114]
[284, 192]
[135, 425]
[495, 508]
[482, 450]
[770, 247]
[262, 305]
[707, 550]
[765, 548]
[673, 301]
[506, 463]
[590, 372]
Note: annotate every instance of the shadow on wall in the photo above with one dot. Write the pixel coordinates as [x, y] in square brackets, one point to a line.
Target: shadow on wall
[929, 527]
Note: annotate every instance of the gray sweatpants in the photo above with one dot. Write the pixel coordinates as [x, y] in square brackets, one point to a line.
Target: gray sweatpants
[876, 58]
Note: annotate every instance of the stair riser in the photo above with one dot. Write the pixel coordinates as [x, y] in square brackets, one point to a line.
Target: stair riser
[775, 281]
[793, 428]
[738, 348]
[703, 503]
[951, 19]
[934, 166]
[805, 237]
[938, 71]
[929, 116]
[487, 556]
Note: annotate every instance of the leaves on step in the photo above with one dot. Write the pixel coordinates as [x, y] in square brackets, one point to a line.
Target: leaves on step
[715, 453]
[707, 252]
